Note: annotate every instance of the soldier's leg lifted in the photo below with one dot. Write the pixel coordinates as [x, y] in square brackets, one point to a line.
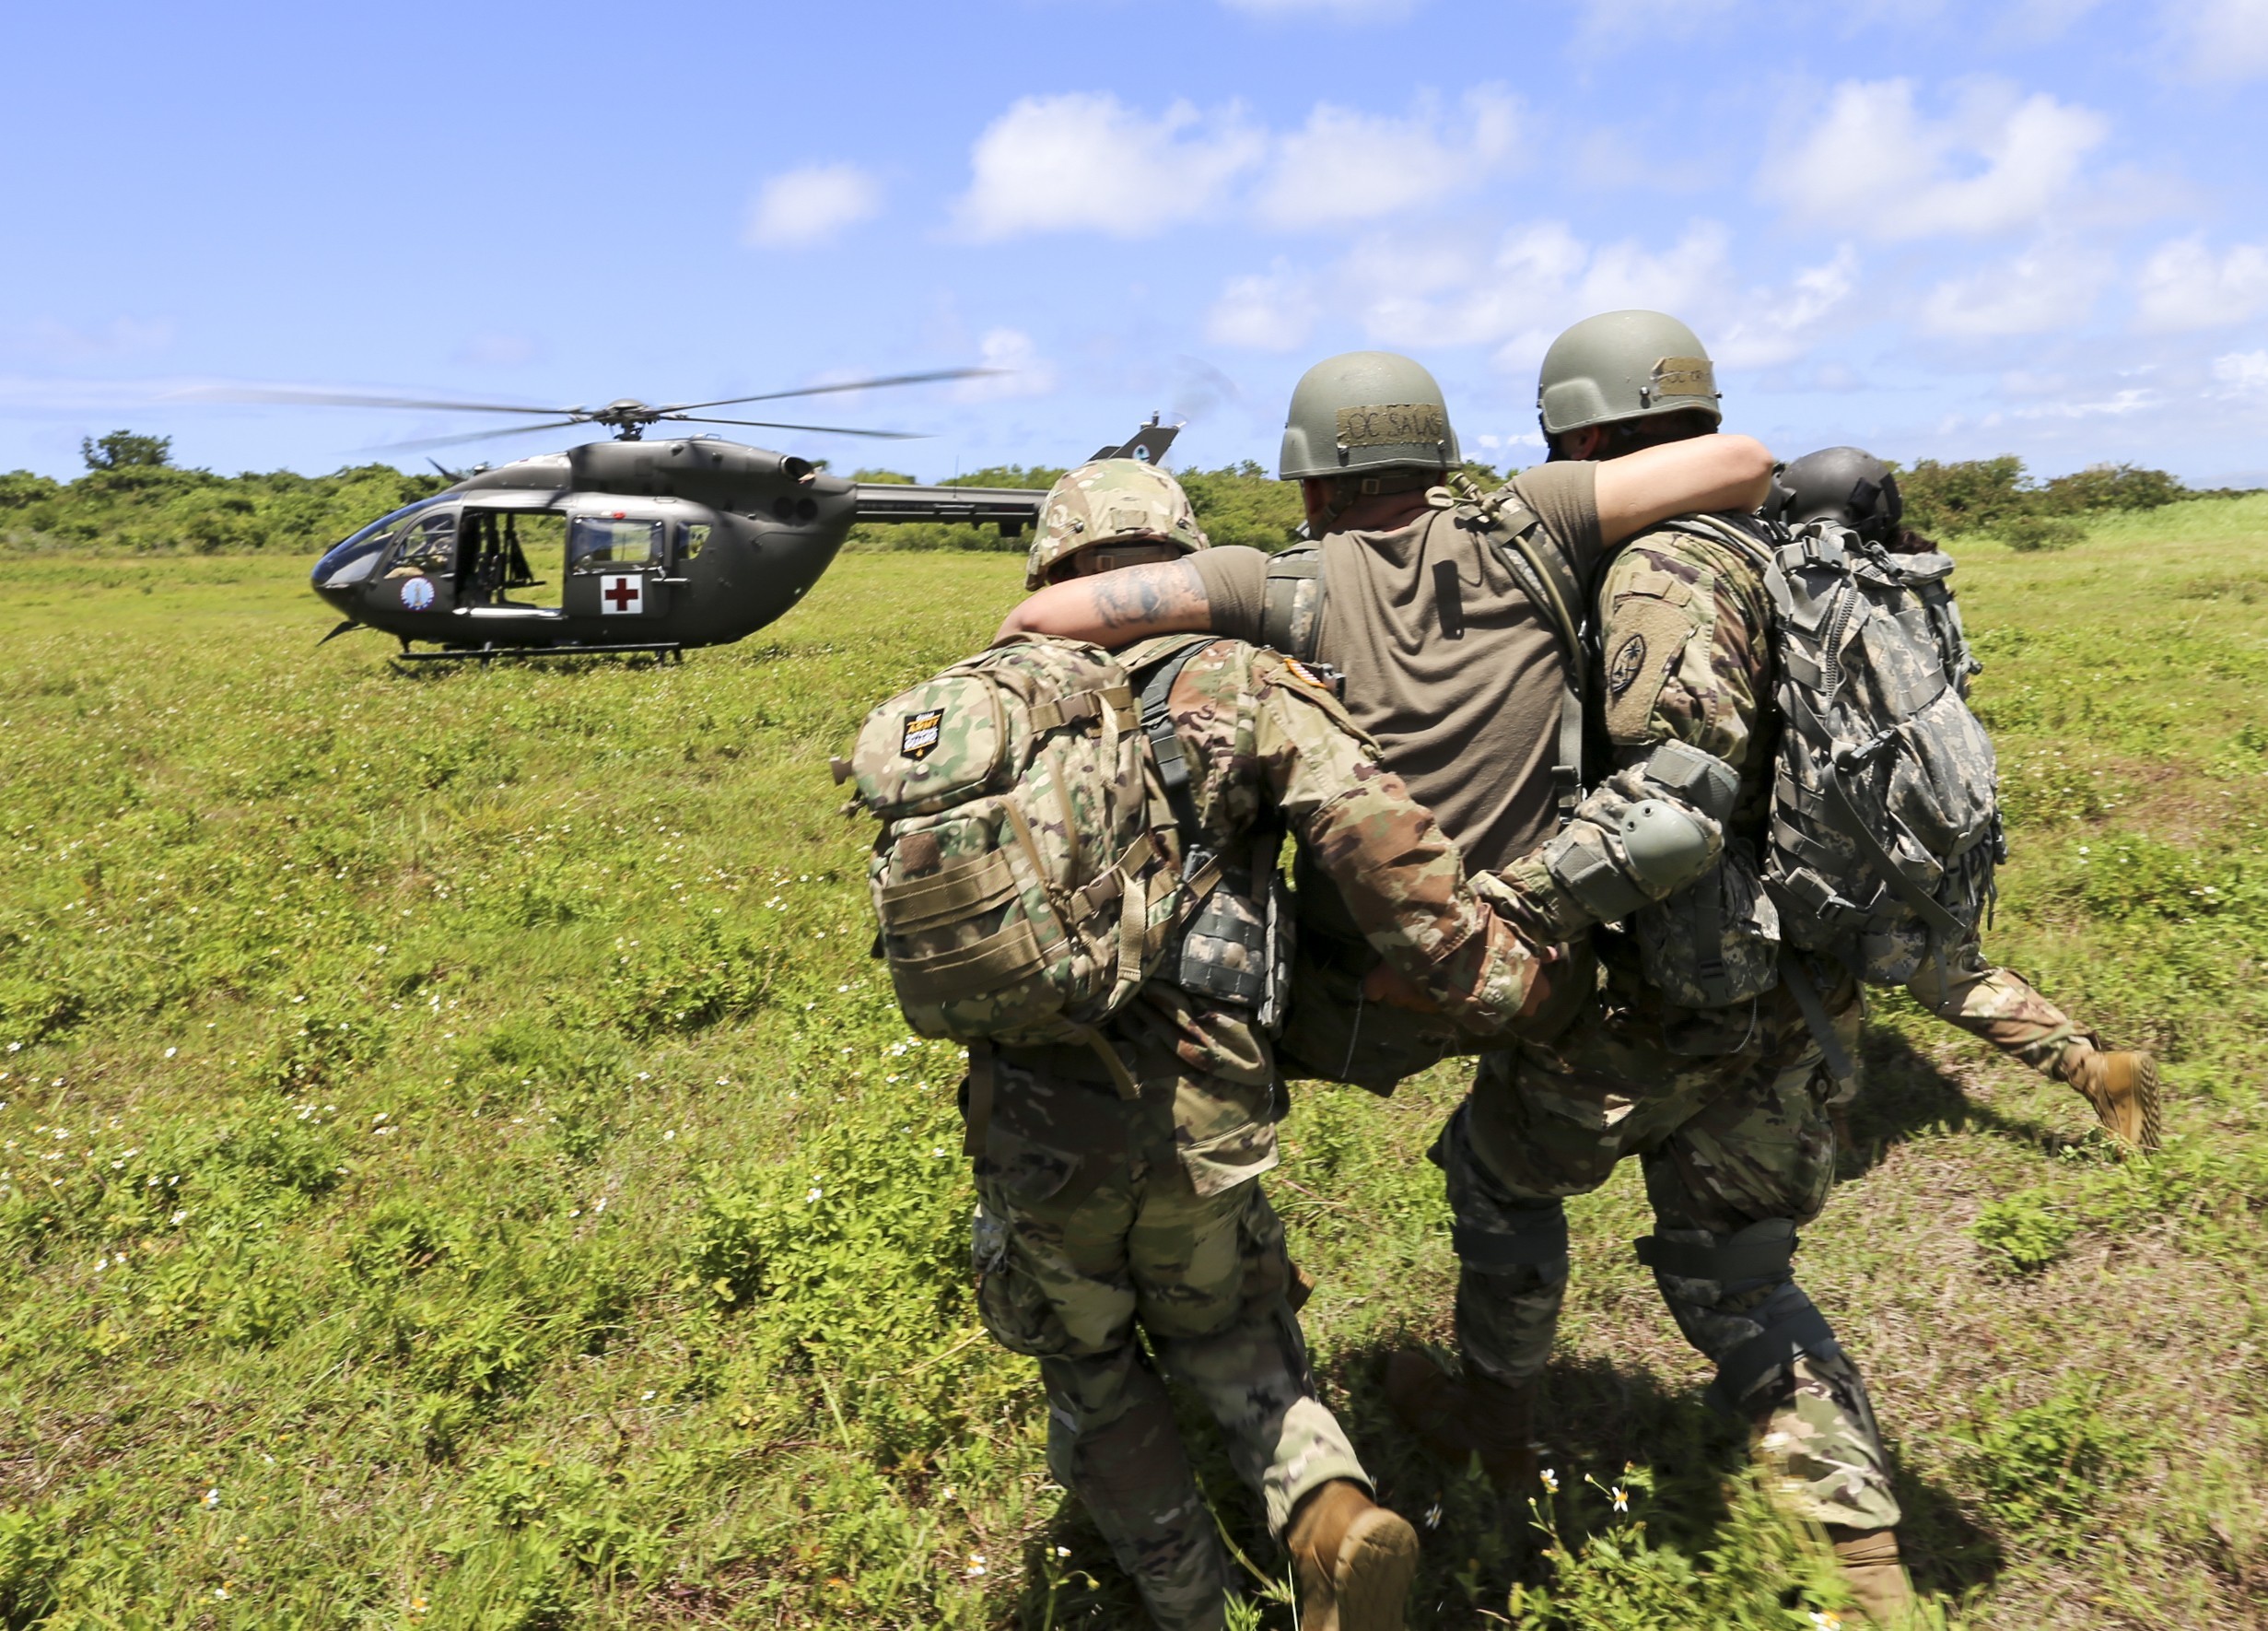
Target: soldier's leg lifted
[2002, 1008]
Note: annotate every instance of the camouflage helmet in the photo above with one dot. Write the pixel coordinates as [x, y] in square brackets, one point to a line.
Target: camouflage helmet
[1624, 365]
[1846, 484]
[1366, 410]
[1109, 502]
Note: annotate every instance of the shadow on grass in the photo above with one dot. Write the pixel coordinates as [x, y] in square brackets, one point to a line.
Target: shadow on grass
[1597, 1417]
[1903, 1092]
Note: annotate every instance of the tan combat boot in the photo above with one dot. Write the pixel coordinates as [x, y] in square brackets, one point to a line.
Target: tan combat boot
[1870, 1568]
[2123, 1089]
[1355, 1560]
[1457, 1418]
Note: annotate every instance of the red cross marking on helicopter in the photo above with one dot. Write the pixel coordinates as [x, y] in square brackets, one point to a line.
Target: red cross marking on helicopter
[622, 592]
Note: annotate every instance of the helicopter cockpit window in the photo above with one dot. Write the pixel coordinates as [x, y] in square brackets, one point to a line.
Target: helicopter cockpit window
[697, 534]
[428, 544]
[601, 543]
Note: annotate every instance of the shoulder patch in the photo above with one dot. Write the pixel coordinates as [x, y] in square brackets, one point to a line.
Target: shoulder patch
[1622, 670]
[922, 732]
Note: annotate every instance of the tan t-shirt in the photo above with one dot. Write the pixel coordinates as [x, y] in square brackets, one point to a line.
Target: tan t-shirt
[1450, 665]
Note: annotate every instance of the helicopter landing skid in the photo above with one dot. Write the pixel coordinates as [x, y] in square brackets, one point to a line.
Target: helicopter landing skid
[666, 650]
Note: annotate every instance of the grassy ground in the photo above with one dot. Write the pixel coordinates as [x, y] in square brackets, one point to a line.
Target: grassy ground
[460, 1168]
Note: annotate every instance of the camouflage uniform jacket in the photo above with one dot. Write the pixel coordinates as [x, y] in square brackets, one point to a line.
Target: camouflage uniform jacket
[1266, 742]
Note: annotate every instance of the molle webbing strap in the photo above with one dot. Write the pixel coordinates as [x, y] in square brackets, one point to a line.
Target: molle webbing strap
[960, 890]
[1084, 705]
[1793, 1328]
[1538, 1241]
[980, 1084]
[1844, 817]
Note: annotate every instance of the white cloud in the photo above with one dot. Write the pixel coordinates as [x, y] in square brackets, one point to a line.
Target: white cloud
[1346, 166]
[2227, 38]
[1445, 288]
[1023, 373]
[1875, 164]
[2244, 372]
[1085, 161]
[2117, 406]
[1275, 310]
[2053, 285]
[801, 208]
[2186, 286]
[1349, 11]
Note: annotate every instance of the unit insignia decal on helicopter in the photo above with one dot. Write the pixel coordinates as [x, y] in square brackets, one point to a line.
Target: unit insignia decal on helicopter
[921, 732]
[416, 594]
[623, 592]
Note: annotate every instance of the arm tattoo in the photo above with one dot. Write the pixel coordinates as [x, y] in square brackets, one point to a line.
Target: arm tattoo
[1142, 598]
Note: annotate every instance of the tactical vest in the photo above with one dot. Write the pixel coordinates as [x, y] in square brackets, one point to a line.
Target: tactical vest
[1331, 1032]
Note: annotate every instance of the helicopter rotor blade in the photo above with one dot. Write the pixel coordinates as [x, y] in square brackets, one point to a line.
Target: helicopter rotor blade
[949, 373]
[823, 430]
[353, 399]
[424, 442]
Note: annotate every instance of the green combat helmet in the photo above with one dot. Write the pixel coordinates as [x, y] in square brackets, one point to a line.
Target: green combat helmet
[1366, 410]
[1110, 501]
[1624, 365]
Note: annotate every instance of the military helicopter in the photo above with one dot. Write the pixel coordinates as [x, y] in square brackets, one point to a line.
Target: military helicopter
[662, 547]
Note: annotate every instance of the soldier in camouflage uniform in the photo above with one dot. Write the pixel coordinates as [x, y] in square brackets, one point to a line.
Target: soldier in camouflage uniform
[1101, 1215]
[1728, 1109]
[1854, 488]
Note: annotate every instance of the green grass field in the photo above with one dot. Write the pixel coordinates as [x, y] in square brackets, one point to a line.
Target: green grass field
[462, 1169]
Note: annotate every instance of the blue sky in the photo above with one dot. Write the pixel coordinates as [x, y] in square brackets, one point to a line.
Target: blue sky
[1939, 231]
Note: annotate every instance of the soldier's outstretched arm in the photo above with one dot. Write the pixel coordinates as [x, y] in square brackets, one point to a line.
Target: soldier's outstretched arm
[1401, 877]
[1693, 476]
[1117, 608]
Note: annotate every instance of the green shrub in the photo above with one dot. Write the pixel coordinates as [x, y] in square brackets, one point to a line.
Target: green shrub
[2025, 1231]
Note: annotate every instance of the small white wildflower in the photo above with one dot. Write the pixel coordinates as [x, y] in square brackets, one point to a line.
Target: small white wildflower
[976, 1562]
[1551, 1480]
[646, 1394]
[814, 1194]
[1622, 1498]
[179, 1216]
[1063, 1551]
[1433, 1516]
[210, 1498]
[171, 1051]
[670, 1134]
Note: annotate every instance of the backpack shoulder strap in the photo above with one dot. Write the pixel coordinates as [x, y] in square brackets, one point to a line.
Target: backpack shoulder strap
[1154, 666]
[1291, 611]
[1550, 578]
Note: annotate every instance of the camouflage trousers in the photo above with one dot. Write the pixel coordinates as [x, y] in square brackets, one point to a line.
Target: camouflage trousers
[2002, 1008]
[1737, 1150]
[1083, 1252]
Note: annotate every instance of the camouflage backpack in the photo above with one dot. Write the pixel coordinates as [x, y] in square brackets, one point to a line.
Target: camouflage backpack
[1026, 876]
[1885, 812]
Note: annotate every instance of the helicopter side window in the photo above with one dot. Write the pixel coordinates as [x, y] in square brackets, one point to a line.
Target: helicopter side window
[609, 543]
[428, 544]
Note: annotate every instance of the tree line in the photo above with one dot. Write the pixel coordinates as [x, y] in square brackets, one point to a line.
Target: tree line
[134, 496]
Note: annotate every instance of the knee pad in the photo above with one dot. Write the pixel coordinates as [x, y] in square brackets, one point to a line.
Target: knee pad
[1759, 1257]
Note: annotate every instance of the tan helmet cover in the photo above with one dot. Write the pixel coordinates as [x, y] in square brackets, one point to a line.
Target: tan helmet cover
[1624, 365]
[1366, 410]
[1110, 501]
